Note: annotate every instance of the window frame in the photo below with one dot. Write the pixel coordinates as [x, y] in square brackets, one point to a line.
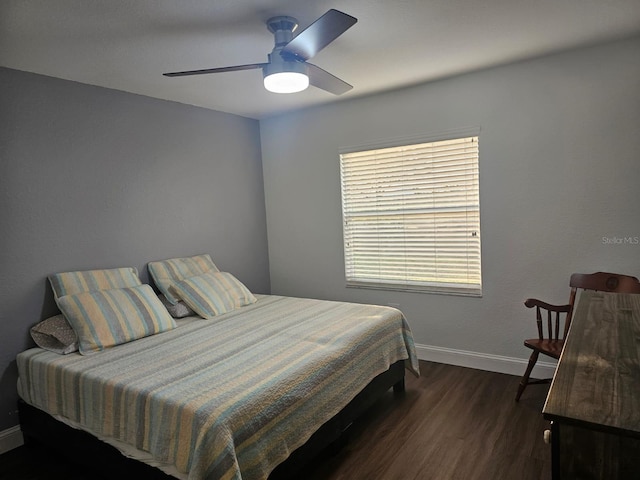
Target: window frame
[440, 287]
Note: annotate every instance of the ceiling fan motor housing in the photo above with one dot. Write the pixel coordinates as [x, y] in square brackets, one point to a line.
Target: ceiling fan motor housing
[279, 64]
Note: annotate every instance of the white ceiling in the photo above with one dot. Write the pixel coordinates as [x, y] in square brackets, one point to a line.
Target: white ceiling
[128, 44]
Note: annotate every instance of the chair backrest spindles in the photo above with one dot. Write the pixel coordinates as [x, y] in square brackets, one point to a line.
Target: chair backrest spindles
[539, 323]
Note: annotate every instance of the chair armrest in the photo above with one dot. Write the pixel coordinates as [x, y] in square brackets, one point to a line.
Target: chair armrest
[533, 302]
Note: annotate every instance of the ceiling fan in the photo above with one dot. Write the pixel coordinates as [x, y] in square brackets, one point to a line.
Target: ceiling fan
[287, 69]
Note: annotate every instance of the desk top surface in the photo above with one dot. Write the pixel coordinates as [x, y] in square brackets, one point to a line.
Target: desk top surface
[597, 382]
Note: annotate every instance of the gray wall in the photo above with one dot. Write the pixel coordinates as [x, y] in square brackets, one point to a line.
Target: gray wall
[95, 178]
[559, 170]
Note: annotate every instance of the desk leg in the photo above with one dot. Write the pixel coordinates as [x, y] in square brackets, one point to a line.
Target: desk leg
[555, 451]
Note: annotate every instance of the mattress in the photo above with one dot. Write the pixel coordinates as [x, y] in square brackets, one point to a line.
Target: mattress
[225, 398]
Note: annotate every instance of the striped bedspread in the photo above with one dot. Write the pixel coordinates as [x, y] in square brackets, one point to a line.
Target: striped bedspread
[228, 398]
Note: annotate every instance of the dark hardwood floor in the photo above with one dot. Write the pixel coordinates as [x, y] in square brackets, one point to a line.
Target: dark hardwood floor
[451, 423]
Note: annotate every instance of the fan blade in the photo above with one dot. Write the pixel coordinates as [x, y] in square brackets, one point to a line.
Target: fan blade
[236, 68]
[319, 34]
[322, 79]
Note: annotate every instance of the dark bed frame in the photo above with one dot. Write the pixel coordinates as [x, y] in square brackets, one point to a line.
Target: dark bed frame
[40, 428]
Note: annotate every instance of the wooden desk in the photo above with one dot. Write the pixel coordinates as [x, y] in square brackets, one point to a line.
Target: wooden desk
[594, 399]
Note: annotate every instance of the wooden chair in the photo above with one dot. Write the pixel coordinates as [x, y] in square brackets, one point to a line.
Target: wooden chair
[552, 344]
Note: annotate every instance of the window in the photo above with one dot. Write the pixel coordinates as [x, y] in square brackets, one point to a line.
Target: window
[412, 217]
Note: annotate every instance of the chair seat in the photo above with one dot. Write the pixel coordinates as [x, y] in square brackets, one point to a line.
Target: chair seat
[553, 348]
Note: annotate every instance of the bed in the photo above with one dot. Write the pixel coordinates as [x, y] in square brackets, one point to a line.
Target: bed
[247, 394]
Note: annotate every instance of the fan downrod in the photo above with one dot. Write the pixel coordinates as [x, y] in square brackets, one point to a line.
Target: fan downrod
[282, 28]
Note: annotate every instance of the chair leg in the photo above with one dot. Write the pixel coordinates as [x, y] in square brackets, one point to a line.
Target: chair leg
[525, 378]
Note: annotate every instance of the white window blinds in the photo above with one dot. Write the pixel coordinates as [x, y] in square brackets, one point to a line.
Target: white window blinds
[412, 217]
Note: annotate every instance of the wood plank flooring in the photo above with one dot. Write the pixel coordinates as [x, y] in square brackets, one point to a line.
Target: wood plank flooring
[451, 423]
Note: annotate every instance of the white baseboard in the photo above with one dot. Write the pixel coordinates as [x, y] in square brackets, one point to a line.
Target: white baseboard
[483, 361]
[10, 438]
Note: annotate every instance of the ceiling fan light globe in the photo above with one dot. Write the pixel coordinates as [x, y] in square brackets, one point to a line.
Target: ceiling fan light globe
[286, 82]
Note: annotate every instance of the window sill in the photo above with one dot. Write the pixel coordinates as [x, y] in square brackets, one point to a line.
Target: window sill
[430, 289]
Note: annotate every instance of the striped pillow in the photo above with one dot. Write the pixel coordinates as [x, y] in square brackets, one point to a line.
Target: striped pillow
[106, 318]
[213, 293]
[167, 272]
[71, 283]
